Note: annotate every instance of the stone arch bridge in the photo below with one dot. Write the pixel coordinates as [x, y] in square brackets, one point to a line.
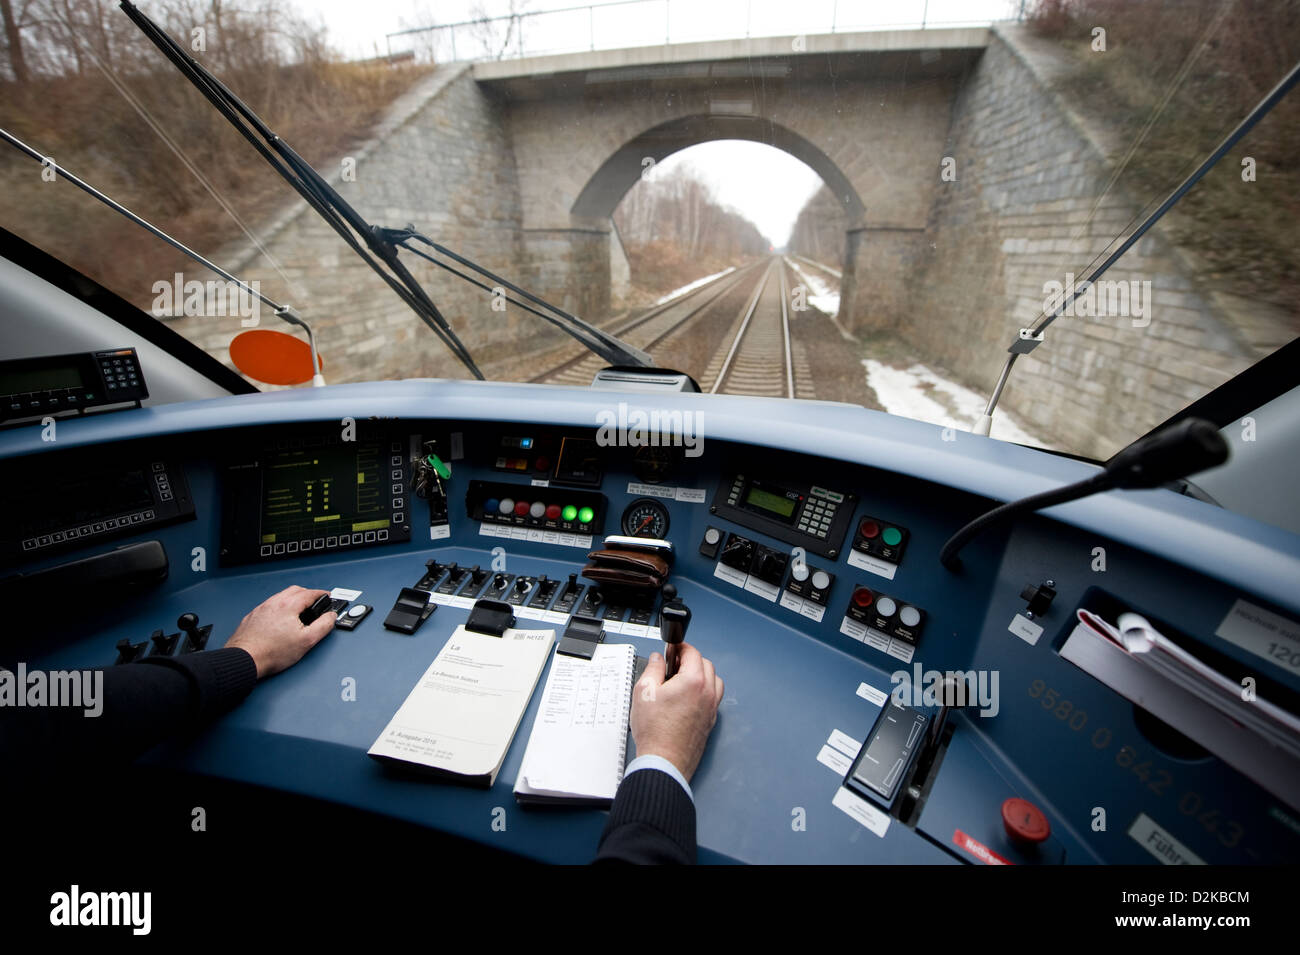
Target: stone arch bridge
[519, 165]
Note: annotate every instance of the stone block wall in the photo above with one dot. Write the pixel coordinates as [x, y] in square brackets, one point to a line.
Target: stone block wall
[1020, 214]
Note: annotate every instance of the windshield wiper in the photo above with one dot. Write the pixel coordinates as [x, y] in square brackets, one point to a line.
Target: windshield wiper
[359, 234]
[1030, 338]
[613, 350]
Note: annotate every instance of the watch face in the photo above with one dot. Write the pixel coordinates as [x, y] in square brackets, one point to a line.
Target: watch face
[656, 465]
[645, 517]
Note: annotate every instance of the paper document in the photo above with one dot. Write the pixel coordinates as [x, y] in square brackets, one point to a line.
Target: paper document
[464, 711]
[1253, 735]
[579, 739]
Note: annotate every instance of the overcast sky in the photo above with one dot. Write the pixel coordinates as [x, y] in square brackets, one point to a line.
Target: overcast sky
[741, 173]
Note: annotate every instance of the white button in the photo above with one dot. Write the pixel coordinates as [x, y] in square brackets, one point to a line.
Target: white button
[909, 616]
[356, 610]
[821, 580]
[712, 536]
[885, 606]
[538, 509]
[507, 505]
[799, 571]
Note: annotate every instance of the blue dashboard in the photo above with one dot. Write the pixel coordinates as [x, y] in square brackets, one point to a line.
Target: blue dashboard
[797, 666]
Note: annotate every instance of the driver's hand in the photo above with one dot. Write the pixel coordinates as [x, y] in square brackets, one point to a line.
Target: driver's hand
[273, 635]
[673, 718]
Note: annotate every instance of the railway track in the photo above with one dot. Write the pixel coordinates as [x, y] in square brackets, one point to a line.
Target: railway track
[759, 359]
[732, 335]
[648, 330]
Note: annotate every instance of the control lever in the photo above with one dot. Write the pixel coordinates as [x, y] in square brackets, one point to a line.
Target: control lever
[953, 694]
[128, 651]
[674, 618]
[164, 644]
[322, 603]
[196, 637]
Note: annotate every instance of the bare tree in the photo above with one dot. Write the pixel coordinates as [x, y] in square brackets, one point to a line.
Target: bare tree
[495, 34]
[14, 41]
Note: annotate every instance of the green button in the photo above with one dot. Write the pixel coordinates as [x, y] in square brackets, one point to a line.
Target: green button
[569, 512]
[891, 536]
[585, 515]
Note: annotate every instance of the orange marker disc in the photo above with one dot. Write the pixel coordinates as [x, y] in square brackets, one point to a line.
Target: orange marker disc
[273, 357]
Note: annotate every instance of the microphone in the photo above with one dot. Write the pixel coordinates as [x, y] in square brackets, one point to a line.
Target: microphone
[1188, 447]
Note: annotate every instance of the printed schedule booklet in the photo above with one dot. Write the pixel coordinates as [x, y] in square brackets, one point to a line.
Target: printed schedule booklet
[578, 745]
[459, 720]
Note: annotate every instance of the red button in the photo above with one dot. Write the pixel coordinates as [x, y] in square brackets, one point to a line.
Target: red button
[869, 528]
[521, 508]
[863, 597]
[553, 512]
[543, 463]
[1025, 822]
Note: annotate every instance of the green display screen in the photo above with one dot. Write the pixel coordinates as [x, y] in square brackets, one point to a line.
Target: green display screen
[311, 492]
[767, 501]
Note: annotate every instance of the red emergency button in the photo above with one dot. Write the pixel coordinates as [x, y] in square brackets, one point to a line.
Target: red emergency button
[862, 597]
[869, 528]
[521, 508]
[1025, 822]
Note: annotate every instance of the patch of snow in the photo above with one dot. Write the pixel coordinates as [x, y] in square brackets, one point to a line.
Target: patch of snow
[694, 285]
[818, 265]
[904, 391]
[823, 296]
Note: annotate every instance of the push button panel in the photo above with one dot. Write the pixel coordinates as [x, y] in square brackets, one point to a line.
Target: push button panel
[894, 618]
[880, 538]
[551, 509]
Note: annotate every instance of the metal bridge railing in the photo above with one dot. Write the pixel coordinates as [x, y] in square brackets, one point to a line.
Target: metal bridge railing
[631, 23]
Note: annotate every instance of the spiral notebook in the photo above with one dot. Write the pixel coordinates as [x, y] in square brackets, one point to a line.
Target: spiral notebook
[578, 745]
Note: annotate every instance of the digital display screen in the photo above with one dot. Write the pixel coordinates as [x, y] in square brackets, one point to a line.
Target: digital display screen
[24, 380]
[767, 501]
[315, 492]
[83, 497]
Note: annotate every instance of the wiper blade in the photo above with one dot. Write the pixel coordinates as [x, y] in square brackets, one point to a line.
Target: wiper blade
[349, 224]
[1030, 338]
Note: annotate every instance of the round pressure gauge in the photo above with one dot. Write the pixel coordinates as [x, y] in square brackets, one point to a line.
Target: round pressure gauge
[645, 517]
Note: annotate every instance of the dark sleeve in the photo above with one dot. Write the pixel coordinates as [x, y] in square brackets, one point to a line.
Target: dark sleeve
[652, 822]
[139, 705]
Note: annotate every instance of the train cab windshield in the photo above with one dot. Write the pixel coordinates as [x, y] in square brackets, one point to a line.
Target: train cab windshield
[840, 341]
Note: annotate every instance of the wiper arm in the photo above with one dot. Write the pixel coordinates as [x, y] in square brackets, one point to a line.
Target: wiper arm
[284, 312]
[319, 194]
[349, 224]
[1030, 338]
[613, 350]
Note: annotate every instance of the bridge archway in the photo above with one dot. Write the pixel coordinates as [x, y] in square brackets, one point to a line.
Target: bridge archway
[621, 171]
